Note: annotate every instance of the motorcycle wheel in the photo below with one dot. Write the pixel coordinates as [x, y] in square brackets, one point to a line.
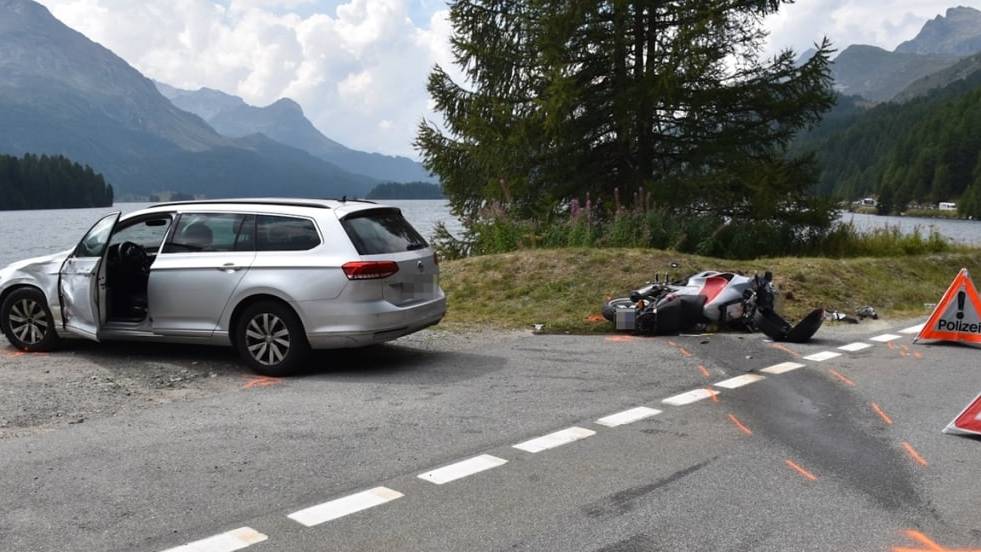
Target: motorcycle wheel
[610, 309]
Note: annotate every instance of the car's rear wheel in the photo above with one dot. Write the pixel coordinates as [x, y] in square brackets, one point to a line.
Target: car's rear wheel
[27, 321]
[270, 339]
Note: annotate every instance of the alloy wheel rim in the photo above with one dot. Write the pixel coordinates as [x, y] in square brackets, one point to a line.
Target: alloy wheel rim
[267, 338]
[28, 321]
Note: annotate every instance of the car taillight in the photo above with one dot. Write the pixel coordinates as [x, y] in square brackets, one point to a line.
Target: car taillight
[369, 270]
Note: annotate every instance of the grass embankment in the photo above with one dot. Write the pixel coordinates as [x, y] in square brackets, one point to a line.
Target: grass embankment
[565, 288]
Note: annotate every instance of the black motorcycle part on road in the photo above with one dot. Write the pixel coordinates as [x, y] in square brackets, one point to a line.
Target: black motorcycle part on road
[778, 329]
[677, 313]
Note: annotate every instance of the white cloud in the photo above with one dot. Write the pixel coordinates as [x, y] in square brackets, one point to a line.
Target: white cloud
[358, 72]
[359, 67]
[883, 23]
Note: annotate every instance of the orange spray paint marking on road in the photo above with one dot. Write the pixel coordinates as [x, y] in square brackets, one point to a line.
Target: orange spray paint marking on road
[15, 354]
[742, 427]
[684, 352]
[841, 377]
[804, 473]
[704, 371]
[917, 355]
[261, 381]
[713, 394]
[787, 350]
[878, 410]
[620, 338]
[928, 544]
[913, 454]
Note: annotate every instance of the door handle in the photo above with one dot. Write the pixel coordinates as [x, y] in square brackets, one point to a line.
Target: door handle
[229, 267]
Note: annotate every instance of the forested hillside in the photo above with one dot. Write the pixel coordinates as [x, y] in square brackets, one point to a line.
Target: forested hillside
[924, 151]
[43, 182]
[406, 190]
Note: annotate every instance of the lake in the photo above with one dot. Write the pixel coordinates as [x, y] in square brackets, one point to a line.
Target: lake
[26, 234]
[962, 231]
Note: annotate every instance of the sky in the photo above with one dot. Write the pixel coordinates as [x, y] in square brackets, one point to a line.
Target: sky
[359, 67]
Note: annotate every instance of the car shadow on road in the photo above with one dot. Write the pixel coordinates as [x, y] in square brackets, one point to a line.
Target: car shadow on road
[388, 363]
[399, 364]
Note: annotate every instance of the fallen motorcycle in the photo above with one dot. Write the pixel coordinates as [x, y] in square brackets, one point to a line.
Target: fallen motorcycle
[724, 299]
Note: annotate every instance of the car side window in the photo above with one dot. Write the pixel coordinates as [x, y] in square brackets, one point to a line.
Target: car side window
[95, 242]
[285, 234]
[211, 232]
[149, 234]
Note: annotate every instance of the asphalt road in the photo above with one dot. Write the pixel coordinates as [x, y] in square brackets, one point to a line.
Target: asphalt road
[844, 454]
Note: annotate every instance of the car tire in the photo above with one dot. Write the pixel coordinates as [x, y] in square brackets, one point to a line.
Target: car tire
[27, 322]
[270, 339]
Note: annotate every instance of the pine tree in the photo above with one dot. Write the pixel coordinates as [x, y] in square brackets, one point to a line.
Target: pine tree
[565, 98]
[50, 182]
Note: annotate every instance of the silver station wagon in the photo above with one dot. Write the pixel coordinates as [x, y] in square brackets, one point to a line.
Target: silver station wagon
[271, 277]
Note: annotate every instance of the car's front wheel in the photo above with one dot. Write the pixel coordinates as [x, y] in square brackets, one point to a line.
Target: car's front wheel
[27, 322]
[270, 339]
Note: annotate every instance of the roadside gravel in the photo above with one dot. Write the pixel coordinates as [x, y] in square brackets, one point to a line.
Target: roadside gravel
[83, 381]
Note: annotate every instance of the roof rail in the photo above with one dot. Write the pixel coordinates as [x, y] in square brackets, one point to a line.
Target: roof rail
[345, 199]
[314, 203]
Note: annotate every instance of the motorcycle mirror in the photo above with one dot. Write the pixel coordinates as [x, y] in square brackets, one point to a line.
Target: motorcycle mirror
[675, 265]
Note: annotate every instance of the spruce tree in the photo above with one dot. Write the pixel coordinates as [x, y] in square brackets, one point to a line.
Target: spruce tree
[562, 98]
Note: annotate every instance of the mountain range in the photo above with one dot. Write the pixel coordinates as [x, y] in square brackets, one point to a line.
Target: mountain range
[880, 75]
[956, 33]
[284, 122]
[61, 93]
[919, 146]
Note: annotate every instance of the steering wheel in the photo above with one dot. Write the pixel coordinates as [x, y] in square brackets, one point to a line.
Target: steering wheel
[134, 256]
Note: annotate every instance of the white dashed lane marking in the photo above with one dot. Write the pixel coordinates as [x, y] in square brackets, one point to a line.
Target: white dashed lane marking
[885, 338]
[782, 368]
[689, 397]
[913, 329]
[238, 539]
[855, 347]
[556, 439]
[322, 513]
[462, 469]
[822, 356]
[628, 416]
[739, 381]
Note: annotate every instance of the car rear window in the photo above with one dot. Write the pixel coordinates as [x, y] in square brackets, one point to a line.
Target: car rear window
[380, 231]
[285, 234]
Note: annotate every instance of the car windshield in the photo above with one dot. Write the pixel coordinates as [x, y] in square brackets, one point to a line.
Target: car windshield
[380, 231]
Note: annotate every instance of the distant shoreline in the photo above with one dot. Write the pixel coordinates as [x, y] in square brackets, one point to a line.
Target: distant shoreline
[934, 214]
[406, 190]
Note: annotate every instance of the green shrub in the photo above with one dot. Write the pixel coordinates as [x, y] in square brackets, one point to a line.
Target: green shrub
[702, 234]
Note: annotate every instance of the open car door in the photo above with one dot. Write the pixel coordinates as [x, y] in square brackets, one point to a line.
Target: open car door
[82, 281]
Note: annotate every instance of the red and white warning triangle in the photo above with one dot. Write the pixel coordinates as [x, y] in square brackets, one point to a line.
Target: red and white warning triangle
[967, 422]
[958, 315]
